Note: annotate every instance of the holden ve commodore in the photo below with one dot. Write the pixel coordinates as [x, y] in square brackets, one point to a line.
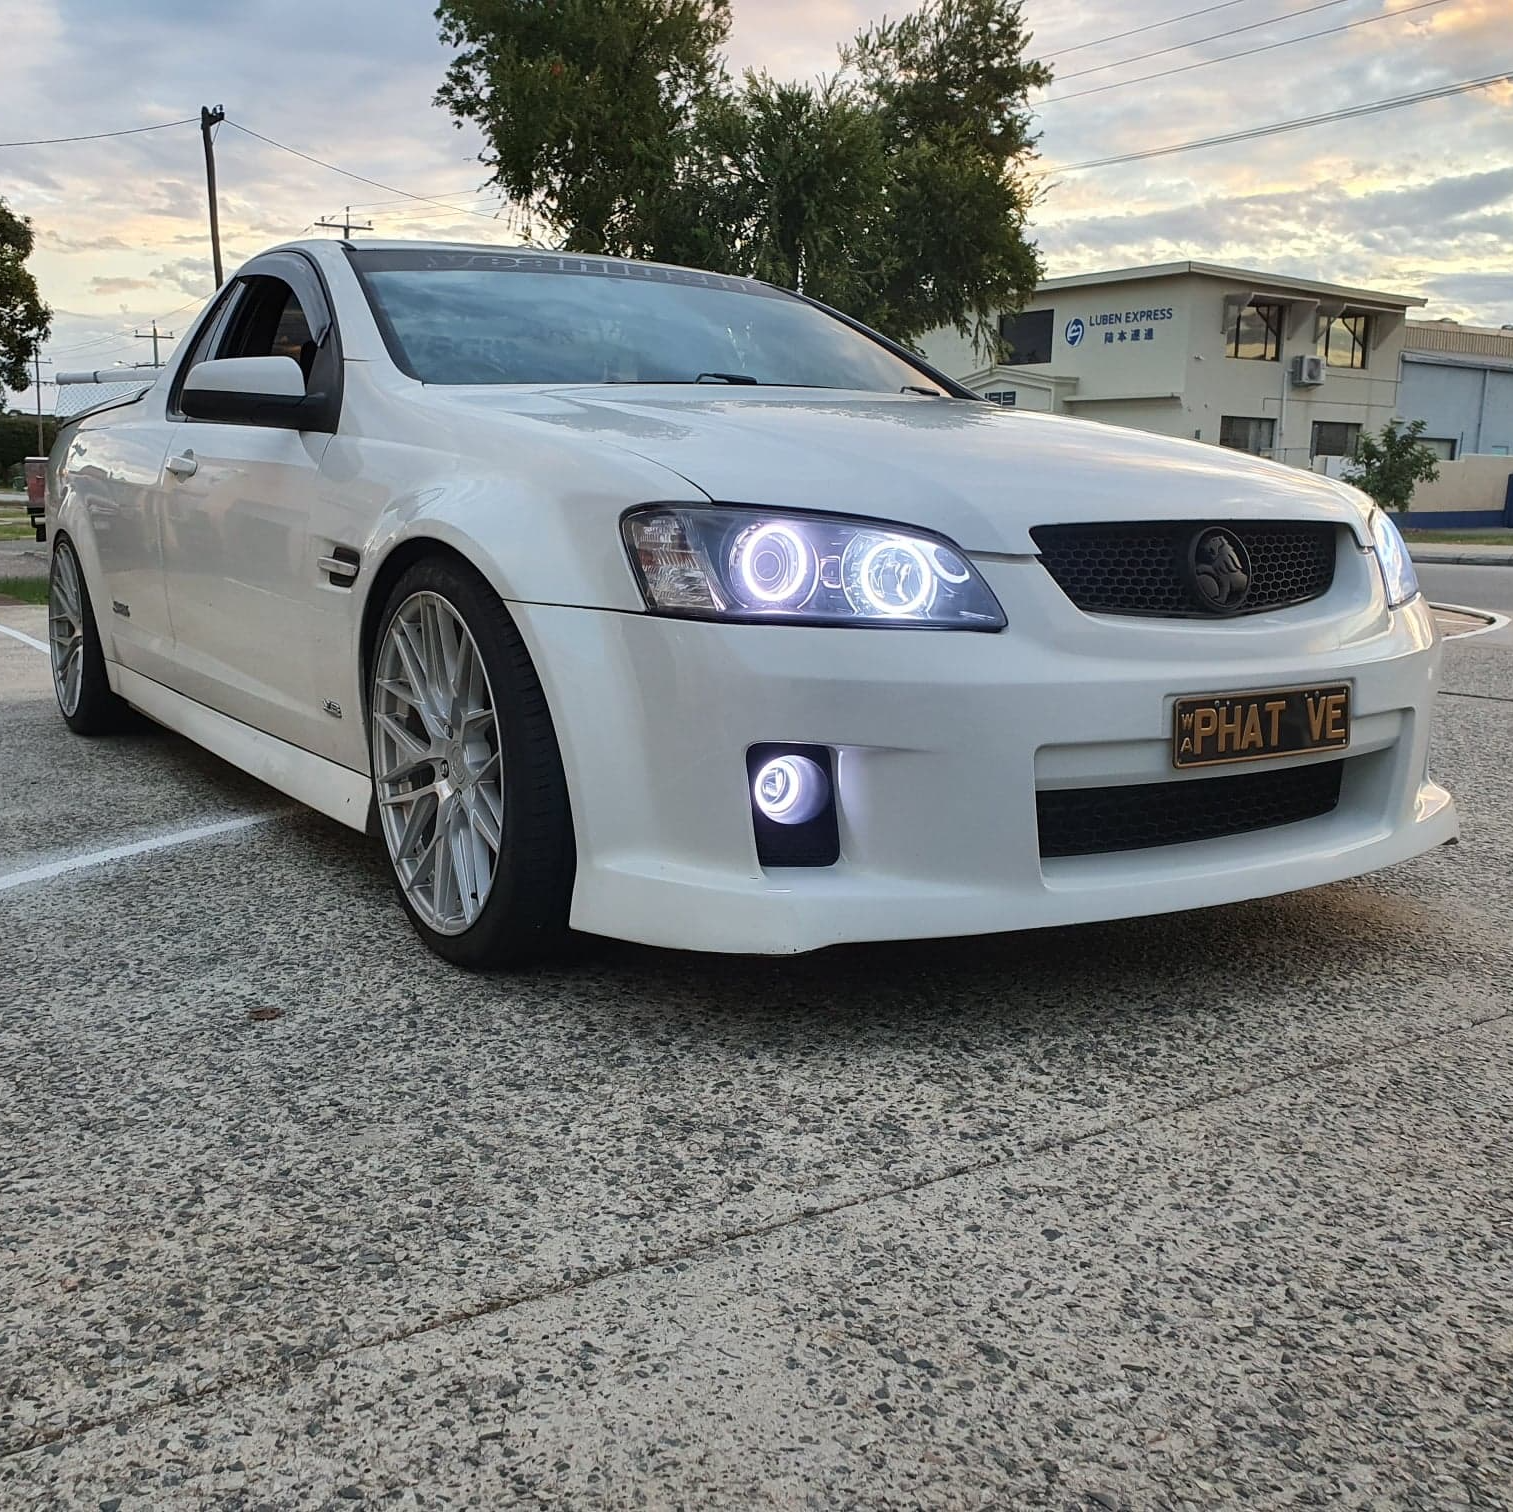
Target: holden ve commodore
[675, 607]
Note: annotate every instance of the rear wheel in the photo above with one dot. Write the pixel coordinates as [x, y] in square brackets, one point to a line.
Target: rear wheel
[79, 678]
[468, 779]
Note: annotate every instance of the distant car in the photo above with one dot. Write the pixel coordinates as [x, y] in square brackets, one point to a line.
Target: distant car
[675, 607]
[36, 495]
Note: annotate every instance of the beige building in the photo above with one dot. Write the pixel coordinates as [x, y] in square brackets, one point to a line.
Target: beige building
[1283, 367]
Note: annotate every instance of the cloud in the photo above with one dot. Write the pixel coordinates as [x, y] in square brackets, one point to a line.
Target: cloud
[1417, 200]
[57, 242]
[119, 285]
[189, 275]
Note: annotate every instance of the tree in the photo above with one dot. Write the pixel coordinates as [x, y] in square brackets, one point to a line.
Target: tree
[24, 319]
[585, 104]
[1390, 466]
[890, 191]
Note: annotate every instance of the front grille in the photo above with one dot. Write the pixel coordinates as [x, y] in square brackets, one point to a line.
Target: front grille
[1095, 821]
[1141, 568]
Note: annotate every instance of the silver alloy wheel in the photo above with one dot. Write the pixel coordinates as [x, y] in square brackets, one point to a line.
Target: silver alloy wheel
[437, 764]
[65, 629]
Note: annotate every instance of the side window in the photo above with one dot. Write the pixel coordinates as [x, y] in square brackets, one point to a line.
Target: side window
[205, 342]
[270, 322]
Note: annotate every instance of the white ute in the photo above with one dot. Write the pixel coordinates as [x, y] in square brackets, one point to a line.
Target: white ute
[671, 606]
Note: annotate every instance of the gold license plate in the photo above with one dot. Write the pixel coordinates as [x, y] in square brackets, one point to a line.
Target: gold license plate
[1252, 726]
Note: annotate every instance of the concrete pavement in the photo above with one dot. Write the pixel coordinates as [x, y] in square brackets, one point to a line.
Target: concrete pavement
[1196, 1211]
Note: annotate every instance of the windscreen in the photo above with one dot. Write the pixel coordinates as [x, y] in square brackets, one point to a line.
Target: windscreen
[465, 317]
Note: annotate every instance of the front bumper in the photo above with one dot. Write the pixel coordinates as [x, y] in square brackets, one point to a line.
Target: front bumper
[941, 741]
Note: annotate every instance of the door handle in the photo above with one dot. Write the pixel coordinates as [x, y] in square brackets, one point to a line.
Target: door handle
[341, 566]
[184, 466]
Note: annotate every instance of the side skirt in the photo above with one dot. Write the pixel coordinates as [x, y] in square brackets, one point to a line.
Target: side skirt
[332, 789]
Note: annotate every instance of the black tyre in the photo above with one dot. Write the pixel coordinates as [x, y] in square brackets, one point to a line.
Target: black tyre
[467, 775]
[79, 678]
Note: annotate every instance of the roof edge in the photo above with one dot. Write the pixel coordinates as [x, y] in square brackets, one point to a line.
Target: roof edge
[1260, 280]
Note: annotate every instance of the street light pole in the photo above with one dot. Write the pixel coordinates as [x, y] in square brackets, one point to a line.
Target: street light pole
[209, 118]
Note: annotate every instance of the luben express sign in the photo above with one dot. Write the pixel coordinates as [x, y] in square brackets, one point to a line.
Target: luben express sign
[1117, 326]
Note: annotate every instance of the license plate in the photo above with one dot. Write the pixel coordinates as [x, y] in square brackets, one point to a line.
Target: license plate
[1228, 727]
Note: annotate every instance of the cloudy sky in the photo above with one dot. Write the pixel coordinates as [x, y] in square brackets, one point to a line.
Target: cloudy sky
[1418, 200]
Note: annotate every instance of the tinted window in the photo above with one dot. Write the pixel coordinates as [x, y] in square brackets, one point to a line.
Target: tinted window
[1255, 332]
[1343, 340]
[1248, 433]
[1335, 438]
[271, 323]
[459, 317]
[209, 334]
[1027, 337]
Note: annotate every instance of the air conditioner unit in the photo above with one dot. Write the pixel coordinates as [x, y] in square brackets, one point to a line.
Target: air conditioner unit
[1307, 371]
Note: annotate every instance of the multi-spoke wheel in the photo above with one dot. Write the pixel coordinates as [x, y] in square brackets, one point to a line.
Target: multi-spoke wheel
[436, 763]
[466, 774]
[79, 677]
[65, 627]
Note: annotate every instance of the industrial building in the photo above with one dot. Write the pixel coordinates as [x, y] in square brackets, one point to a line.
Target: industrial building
[1287, 368]
[1459, 381]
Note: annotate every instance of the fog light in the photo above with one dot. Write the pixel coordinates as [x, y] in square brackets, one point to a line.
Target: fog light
[790, 789]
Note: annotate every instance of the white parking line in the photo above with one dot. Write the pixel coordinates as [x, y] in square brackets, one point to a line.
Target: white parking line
[24, 638]
[121, 852]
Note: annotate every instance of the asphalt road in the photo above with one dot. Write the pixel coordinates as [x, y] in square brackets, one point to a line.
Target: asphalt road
[1198, 1211]
[1477, 587]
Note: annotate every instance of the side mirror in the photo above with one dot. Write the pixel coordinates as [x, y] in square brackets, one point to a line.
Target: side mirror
[254, 391]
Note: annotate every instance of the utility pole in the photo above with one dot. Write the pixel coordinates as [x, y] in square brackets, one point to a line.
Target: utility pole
[209, 118]
[153, 336]
[37, 360]
[346, 224]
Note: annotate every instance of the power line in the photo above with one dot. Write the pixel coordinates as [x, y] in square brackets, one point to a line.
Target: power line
[95, 136]
[441, 194]
[1373, 107]
[1135, 31]
[1234, 31]
[347, 172]
[81, 345]
[1244, 52]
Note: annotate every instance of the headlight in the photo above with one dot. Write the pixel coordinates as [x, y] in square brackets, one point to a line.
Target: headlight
[1392, 557]
[759, 566]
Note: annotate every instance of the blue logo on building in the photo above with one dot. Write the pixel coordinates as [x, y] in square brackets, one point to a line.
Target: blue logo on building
[1075, 331]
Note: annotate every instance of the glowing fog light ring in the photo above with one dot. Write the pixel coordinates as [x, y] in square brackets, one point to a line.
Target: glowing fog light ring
[790, 789]
[800, 563]
[908, 549]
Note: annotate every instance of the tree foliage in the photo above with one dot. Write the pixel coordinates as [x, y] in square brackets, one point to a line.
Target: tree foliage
[585, 105]
[24, 319]
[18, 441]
[892, 190]
[1390, 466]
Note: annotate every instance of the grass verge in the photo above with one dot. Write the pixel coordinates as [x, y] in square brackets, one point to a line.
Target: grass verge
[1462, 537]
[28, 590]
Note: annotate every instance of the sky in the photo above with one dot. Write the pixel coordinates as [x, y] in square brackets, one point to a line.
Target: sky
[1418, 201]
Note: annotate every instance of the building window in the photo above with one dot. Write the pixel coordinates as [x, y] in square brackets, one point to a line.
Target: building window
[1256, 333]
[1008, 398]
[1334, 438]
[1441, 446]
[1026, 337]
[1342, 340]
[1248, 433]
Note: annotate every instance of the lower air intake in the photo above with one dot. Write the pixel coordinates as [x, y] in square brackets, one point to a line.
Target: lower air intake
[1097, 821]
